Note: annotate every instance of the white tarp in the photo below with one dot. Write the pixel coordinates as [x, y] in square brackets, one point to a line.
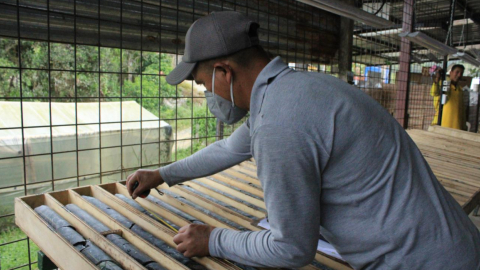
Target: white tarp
[93, 119]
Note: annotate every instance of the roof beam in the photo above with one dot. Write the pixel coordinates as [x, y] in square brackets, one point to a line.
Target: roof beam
[381, 42]
[470, 13]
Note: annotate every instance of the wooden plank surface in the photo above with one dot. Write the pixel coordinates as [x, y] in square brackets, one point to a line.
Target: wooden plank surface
[454, 160]
[125, 261]
[147, 223]
[234, 195]
[454, 157]
[455, 133]
[52, 244]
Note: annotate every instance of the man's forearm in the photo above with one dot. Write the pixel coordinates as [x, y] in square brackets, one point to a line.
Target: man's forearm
[210, 160]
[292, 196]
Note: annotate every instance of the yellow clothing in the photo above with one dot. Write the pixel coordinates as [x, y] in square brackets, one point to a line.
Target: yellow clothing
[453, 115]
[436, 94]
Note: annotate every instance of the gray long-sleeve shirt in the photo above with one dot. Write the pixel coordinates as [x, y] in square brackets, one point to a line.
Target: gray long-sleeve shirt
[330, 157]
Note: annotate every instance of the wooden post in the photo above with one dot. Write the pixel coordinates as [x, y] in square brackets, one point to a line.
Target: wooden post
[401, 104]
[345, 46]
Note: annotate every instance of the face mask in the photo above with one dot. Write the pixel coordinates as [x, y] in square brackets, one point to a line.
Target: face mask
[223, 109]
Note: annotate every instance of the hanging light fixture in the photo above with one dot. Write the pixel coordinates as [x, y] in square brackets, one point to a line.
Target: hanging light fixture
[432, 57]
[475, 52]
[428, 42]
[347, 11]
[416, 58]
[467, 58]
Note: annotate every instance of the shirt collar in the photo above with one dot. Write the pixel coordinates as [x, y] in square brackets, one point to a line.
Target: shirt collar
[271, 70]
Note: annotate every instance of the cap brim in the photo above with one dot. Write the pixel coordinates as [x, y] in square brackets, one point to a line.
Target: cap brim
[183, 71]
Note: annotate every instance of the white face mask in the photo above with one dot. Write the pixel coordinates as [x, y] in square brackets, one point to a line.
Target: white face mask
[223, 109]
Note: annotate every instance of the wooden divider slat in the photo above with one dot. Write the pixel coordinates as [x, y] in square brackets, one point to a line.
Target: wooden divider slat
[246, 170]
[233, 192]
[243, 176]
[59, 250]
[152, 227]
[227, 200]
[214, 207]
[143, 245]
[243, 186]
[247, 166]
[191, 211]
[87, 232]
[153, 207]
[162, 232]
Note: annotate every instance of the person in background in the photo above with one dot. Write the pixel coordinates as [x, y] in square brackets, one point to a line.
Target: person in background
[453, 115]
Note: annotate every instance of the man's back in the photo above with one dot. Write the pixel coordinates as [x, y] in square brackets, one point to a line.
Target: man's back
[330, 157]
[381, 205]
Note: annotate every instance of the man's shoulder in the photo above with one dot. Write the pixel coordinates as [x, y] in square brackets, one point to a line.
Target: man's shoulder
[303, 77]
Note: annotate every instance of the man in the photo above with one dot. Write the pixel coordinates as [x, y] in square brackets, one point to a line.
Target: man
[453, 115]
[329, 157]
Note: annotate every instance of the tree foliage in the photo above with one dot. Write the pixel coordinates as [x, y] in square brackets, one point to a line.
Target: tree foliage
[79, 71]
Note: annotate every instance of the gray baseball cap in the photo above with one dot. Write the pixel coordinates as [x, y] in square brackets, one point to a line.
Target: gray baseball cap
[218, 34]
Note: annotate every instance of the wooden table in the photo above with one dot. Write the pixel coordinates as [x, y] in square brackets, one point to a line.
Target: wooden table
[454, 160]
[454, 157]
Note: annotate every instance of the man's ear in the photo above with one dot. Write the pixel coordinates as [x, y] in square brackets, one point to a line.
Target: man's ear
[225, 70]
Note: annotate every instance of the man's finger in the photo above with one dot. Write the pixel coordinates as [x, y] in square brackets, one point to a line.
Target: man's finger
[177, 239]
[135, 193]
[137, 190]
[129, 184]
[183, 229]
[181, 248]
[188, 254]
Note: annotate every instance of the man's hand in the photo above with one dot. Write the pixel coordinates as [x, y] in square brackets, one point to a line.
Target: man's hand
[192, 240]
[147, 179]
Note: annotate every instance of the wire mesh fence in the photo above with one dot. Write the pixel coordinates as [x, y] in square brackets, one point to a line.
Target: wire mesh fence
[406, 90]
[376, 56]
[84, 99]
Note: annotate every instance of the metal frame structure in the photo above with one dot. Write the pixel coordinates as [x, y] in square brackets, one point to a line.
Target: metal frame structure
[307, 38]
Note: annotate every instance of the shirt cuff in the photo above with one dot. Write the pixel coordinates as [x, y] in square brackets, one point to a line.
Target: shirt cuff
[164, 176]
[213, 240]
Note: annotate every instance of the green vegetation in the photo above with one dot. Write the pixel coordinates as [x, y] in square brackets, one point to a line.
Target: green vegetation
[474, 72]
[15, 254]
